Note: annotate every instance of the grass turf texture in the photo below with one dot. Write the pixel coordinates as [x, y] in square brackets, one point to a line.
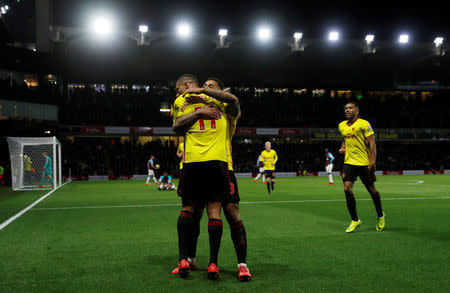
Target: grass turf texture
[292, 246]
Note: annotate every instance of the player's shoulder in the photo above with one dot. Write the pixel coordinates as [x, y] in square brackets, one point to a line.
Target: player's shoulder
[363, 121]
[343, 123]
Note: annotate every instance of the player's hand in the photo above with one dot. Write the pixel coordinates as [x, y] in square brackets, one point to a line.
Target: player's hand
[342, 150]
[195, 91]
[209, 113]
[273, 164]
[371, 167]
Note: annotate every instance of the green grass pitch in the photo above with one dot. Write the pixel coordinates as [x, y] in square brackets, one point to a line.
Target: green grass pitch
[120, 236]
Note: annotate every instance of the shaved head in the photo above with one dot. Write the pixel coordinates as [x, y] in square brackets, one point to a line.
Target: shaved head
[186, 81]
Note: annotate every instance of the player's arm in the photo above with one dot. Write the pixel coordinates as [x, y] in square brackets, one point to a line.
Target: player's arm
[372, 152]
[182, 124]
[275, 158]
[331, 158]
[342, 149]
[232, 101]
[180, 154]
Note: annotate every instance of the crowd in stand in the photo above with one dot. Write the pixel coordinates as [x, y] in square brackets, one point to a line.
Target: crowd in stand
[106, 156]
[260, 107]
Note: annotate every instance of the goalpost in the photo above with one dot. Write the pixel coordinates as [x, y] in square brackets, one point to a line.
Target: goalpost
[35, 162]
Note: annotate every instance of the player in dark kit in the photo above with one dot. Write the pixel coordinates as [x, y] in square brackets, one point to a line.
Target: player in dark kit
[360, 156]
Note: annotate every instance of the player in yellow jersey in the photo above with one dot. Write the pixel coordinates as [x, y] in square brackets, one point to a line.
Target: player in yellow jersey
[180, 154]
[360, 156]
[203, 121]
[270, 158]
[214, 87]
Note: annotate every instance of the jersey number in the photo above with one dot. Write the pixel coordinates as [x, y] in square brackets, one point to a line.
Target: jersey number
[201, 122]
[231, 188]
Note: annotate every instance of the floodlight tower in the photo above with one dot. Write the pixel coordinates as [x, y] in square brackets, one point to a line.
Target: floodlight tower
[223, 33]
[369, 47]
[437, 48]
[298, 44]
[143, 29]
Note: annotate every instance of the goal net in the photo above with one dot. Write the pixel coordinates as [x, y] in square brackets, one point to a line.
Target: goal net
[35, 162]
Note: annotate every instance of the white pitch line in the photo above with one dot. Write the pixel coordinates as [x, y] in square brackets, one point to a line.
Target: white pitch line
[13, 218]
[242, 202]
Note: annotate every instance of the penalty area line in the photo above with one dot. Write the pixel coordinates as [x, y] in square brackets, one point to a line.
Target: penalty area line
[242, 202]
[16, 216]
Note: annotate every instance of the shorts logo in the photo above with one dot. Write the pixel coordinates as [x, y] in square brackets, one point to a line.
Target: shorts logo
[232, 188]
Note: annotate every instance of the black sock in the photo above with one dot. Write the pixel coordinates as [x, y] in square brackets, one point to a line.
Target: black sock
[195, 234]
[351, 205]
[377, 202]
[268, 187]
[184, 228]
[239, 237]
[273, 184]
[215, 229]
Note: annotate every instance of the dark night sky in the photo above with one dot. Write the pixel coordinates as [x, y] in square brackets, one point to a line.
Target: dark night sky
[386, 19]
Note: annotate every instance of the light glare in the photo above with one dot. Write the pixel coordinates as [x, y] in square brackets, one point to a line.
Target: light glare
[102, 26]
[333, 36]
[264, 34]
[184, 30]
[143, 28]
[223, 32]
[298, 36]
[370, 38]
[438, 41]
[403, 39]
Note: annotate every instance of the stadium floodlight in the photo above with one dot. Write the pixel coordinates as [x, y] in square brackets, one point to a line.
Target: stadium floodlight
[298, 46]
[3, 10]
[333, 36]
[143, 28]
[438, 41]
[298, 36]
[369, 39]
[6, 7]
[264, 34]
[102, 26]
[223, 32]
[184, 30]
[403, 39]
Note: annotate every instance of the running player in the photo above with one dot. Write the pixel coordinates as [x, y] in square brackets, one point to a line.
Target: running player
[329, 166]
[203, 121]
[270, 159]
[360, 156]
[165, 182]
[47, 171]
[151, 170]
[260, 164]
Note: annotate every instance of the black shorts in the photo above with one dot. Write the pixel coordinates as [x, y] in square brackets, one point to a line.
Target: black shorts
[233, 196]
[205, 181]
[270, 174]
[351, 172]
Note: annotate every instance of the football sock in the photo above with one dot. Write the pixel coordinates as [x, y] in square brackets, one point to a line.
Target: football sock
[154, 179]
[184, 228]
[268, 187]
[148, 179]
[239, 237]
[215, 229]
[273, 184]
[330, 176]
[351, 205]
[377, 202]
[257, 176]
[197, 216]
[264, 178]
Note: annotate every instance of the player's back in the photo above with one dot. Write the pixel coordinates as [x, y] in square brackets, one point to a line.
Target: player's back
[206, 140]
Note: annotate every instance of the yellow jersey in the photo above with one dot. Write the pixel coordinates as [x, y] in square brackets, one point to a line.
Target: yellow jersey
[180, 149]
[269, 158]
[231, 124]
[355, 141]
[206, 140]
